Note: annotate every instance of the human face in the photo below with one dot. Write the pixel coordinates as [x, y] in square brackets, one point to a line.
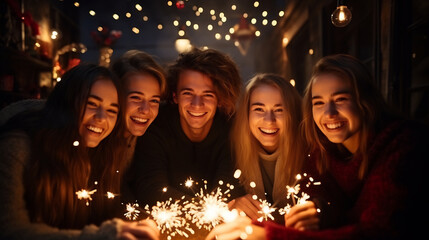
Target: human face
[335, 111]
[101, 112]
[267, 116]
[197, 102]
[143, 97]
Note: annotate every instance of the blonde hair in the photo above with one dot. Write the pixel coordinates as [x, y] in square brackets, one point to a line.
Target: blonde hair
[291, 146]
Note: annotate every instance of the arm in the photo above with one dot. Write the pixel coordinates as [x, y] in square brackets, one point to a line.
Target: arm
[15, 150]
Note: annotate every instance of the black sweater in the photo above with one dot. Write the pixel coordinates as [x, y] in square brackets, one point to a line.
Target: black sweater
[165, 157]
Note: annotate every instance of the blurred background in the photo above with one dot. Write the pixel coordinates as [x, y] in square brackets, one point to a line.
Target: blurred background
[41, 39]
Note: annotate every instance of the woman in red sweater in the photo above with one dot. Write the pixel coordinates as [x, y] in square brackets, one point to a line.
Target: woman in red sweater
[369, 161]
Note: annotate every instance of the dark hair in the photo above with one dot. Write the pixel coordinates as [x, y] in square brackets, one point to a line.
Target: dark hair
[218, 67]
[58, 169]
[371, 105]
[134, 62]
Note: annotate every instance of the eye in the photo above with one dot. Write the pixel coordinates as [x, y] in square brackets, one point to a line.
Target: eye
[186, 93]
[258, 109]
[113, 111]
[90, 103]
[209, 95]
[317, 103]
[341, 99]
[278, 110]
[135, 97]
[157, 101]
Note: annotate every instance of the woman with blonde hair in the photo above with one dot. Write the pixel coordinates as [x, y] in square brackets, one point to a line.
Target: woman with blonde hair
[266, 141]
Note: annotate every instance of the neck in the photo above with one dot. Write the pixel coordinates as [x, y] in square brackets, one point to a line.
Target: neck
[196, 134]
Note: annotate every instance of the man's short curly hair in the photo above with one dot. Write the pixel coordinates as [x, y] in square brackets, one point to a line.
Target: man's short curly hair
[219, 67]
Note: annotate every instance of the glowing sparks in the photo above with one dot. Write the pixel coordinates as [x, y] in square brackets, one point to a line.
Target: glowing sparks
[85, 194]
[168, 217]
[189, 182]
[132, 211]
[110, 195]
[293, 193]
[266, 211]
[209, 209]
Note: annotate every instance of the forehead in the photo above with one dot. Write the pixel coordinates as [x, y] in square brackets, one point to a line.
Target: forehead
[194, 80]
[266, 94]
[330, 83]
[104, 89]
[143, 82]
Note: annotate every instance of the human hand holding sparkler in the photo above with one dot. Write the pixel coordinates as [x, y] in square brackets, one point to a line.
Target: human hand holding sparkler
[247, 204]
[303, 216]
[145, 229]
[240, 228]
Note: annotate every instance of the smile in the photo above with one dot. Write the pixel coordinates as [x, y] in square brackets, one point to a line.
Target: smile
[94, 129]
[139, 120]
[197, 114]
[333, 126]
[269, 130]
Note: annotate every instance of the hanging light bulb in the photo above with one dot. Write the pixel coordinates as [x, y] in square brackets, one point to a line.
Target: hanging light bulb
[342, 16]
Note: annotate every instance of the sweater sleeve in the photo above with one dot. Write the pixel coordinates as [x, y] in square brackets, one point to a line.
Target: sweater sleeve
[15, 149]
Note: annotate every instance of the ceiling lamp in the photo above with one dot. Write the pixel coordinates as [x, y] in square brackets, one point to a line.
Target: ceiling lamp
[341, 16]
[182, 43]
[243, 35]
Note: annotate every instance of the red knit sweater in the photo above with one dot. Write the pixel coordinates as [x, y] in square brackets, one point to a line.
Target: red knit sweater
[384, 205]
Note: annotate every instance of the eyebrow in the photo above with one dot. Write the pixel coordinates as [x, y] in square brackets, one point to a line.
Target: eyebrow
[100, 99]
[140, 93]
[261, 104]
[334, 94]
[192, 90]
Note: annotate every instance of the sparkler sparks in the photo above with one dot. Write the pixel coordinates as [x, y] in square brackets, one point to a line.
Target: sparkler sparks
[132, 211]
[85, 194]
[266, 211]
[168, 217]
[293, 193]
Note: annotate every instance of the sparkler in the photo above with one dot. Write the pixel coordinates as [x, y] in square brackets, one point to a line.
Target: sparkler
[293, 192]
[168, 217]
[266, 210]
[85, 194]
[132, 211]
[209, 209]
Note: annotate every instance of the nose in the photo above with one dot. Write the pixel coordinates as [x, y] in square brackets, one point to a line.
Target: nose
[100, 115]
[269, 116]
[144, 107]
[331, 109]
[197, 100]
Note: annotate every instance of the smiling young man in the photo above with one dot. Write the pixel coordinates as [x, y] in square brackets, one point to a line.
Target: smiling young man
[190, 137]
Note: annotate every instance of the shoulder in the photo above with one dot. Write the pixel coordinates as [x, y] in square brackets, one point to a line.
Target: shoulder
[21, 106]
[15, 143]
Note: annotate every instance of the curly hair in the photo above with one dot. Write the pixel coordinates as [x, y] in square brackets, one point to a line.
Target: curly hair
[219, 67]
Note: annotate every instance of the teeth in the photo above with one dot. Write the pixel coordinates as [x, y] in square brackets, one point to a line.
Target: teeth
[95, 129]
[195, 114]
[269, 131]
[140, 120]
[333, 125]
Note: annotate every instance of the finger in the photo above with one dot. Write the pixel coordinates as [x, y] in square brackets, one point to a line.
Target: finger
[143, 232]
[126, 236]
[150, 224]
[308, 224]
[301, 207]
[301, 216]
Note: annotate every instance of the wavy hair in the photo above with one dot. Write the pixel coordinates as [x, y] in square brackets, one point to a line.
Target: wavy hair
[58, 169]
[245, 145]
[134, 62]
[371, 107]
[219, 67]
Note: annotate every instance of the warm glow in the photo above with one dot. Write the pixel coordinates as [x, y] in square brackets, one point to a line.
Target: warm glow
[138, 7]
[135, 30]
[115, 16]
[92, 12]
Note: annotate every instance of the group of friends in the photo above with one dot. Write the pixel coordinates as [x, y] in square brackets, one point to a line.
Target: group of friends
[139, 131]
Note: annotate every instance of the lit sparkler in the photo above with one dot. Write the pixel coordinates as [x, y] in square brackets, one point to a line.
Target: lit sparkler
[266, 211]
[85, 194]
[209, 209]
[132, 211]
[293, 193]
[168, 217]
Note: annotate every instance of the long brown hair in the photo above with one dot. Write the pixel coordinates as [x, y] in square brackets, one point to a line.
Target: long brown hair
[58, 168]
[370, 103]
[245, 145]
